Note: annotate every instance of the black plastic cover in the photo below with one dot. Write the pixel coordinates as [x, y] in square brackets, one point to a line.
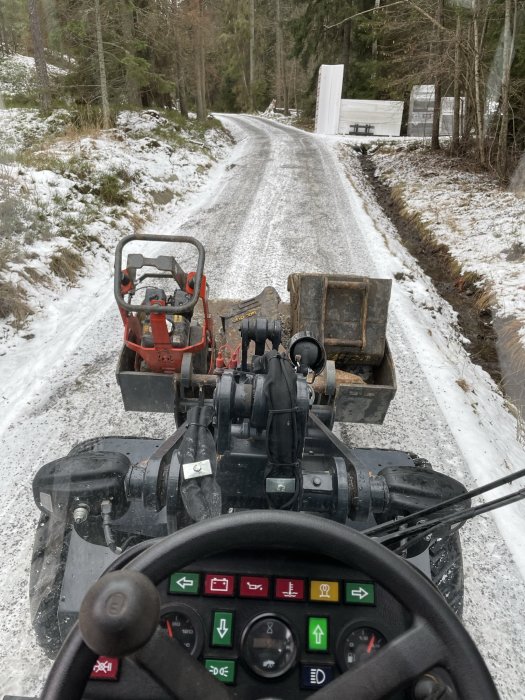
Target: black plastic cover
[413, 488]
[88, 478]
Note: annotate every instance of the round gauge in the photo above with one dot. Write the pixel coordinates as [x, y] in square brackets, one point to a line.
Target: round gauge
[183, 624]
[269, 647]
[359, 644]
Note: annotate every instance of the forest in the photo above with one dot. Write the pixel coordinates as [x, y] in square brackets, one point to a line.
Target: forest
[239, 55]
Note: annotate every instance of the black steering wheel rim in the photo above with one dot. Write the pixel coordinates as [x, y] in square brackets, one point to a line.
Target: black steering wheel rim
[301, 532]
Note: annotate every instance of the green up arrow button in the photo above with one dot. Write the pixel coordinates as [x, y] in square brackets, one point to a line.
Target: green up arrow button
[317, 634]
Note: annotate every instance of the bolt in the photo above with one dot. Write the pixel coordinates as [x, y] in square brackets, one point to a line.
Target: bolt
[317, 481]
[80, 514]
[197, 468]
[280, 487]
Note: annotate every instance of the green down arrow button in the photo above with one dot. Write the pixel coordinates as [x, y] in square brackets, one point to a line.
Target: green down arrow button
[222, 629]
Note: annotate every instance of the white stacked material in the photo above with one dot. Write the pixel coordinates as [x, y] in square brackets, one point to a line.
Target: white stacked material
[329, 87]
[421, 112]
[371, 117]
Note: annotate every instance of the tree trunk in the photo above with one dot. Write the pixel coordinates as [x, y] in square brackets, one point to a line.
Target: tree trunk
[278, 52]
[4, 44]
[252, 55]
[508, 50]
[181, 81]
[39, 55]
[295, 86]
[377, 5]
[53, 29]
[178, 67]
[457, 87]
[286, 102]
[347, 38]
[106, 121]
[203, 73]
[434, 142]
[280, 62]
[469, 117]
[126, 20]
[480, 121]
[200, 76]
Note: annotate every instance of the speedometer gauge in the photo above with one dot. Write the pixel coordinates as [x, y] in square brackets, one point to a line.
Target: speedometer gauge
[359, 644]
[184, 625]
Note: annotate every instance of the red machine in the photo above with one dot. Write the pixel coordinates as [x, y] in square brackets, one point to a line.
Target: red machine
[168, 327]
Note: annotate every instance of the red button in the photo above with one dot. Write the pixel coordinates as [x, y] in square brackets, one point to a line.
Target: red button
[105, 669]
[289, 589]
[219, 584]
[254, 587]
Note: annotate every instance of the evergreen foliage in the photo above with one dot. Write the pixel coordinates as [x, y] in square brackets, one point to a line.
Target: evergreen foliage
[239, 55]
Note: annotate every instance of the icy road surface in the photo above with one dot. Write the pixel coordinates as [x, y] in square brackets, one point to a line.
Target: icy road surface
[283, 203]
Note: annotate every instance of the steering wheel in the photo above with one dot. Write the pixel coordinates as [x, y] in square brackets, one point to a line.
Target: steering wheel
[436, 637]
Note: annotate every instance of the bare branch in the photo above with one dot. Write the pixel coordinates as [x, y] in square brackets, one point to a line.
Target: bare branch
[364, 12]
[385, 7]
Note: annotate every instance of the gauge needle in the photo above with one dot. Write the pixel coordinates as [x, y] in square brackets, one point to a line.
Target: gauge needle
[371, 644]
[169, 628]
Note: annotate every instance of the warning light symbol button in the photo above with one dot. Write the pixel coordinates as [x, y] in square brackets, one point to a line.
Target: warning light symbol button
[324, 591]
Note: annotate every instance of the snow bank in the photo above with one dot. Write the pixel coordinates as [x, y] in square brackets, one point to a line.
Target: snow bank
[74, 197]
[18, 75]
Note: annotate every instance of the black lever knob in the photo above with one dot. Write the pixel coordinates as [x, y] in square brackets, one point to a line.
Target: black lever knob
[119, 613]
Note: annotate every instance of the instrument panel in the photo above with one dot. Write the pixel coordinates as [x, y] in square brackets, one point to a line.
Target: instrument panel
[266, 623]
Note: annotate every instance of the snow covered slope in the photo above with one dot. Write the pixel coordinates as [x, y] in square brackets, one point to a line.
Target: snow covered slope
[18, 76]
[482, 224]
[67, 199]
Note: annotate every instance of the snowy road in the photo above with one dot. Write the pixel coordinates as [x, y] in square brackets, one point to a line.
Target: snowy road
[283, 203]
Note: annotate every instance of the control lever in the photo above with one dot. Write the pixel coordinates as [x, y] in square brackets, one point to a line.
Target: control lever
[430, 687]
[120, 617]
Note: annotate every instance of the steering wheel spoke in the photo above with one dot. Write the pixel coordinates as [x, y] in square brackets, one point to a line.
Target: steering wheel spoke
[402, 660]
[182, 676]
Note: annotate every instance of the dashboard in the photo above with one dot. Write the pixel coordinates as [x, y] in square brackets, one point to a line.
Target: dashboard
[266, 623]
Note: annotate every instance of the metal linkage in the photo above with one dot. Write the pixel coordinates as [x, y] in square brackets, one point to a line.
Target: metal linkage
[444, 505]
[403, 530]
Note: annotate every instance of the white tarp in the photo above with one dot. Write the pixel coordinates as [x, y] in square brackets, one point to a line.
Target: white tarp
[374, 117]
[329, 88]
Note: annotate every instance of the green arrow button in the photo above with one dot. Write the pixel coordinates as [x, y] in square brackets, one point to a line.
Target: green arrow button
[360, 593]
[222, 670]
[317, 634]
[222, 631]
[183, 583]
